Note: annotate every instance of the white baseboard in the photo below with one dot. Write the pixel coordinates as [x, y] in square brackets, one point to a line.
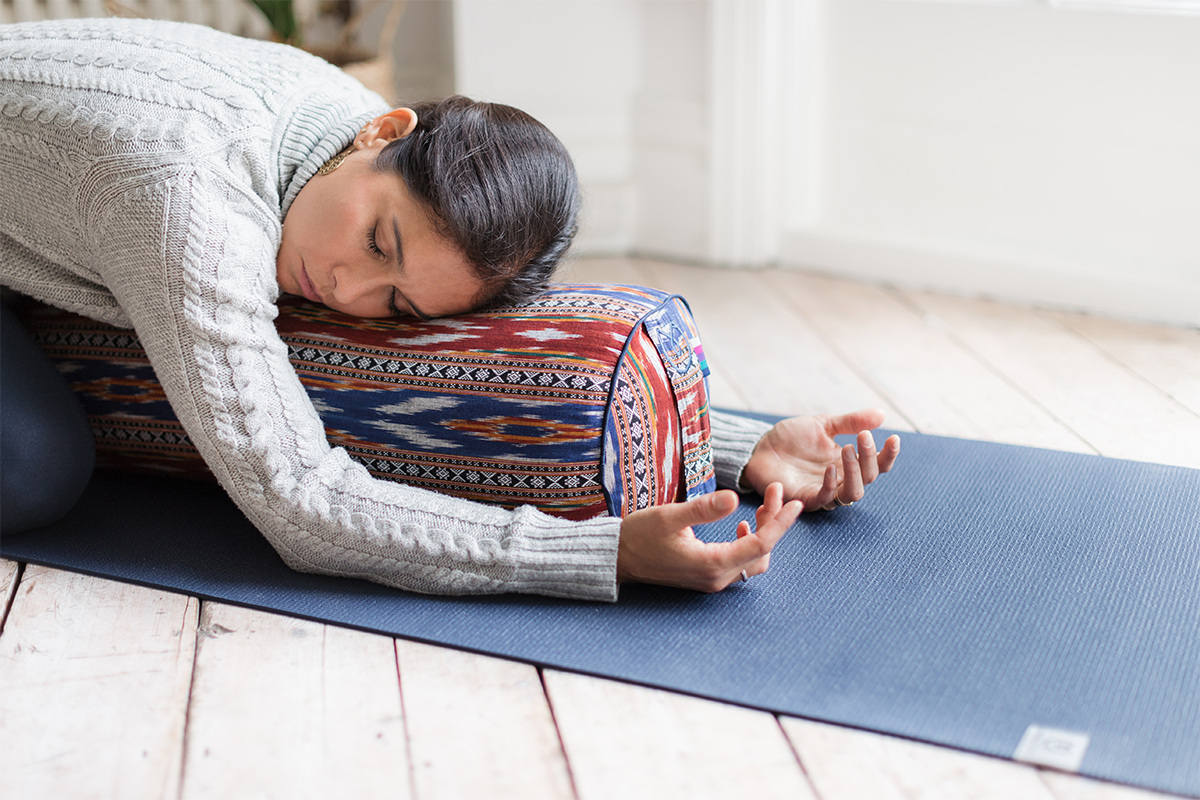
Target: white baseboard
[1060, 286]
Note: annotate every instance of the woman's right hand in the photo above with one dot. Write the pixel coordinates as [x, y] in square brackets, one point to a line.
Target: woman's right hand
[658, 544]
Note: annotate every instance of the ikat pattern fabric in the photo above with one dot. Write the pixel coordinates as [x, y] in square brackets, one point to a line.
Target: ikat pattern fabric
[588, 400]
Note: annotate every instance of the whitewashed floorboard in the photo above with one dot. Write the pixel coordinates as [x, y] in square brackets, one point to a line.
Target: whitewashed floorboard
[1105, 403]
[478, 726]
[848, 764]
[605, 270]
[1167, 357]
[775, 360]
[293, 709]
[634, 742]
[9, 574]
[942, 387]
[1075, 787]
[94, 678]
[723, 392]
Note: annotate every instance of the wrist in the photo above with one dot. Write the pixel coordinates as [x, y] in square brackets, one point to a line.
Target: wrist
[735, 440]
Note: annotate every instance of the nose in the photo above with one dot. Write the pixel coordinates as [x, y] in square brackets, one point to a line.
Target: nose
[354, 282]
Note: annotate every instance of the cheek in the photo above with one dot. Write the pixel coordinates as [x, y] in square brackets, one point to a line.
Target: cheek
[321, 217]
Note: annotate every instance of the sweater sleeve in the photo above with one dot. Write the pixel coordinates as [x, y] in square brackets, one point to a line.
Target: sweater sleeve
[733, 441]
[204, 311]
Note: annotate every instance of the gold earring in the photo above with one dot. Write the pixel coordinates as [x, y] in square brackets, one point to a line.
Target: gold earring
[335, 162]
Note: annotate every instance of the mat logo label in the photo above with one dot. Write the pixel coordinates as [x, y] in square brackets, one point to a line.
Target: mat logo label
[1052, 747]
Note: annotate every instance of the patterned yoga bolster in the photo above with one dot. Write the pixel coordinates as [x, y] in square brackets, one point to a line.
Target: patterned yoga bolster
[587, 400]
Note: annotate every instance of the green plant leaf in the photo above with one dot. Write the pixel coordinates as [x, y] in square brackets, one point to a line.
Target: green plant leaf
[282, 17]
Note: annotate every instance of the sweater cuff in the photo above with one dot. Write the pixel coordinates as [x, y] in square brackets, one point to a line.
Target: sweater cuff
[565, 559]
[733, 440]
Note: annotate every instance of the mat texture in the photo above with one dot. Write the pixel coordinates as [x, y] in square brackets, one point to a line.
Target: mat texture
[983, 596]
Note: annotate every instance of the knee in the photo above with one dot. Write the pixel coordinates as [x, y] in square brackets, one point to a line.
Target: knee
[46, 447]
[45, 465]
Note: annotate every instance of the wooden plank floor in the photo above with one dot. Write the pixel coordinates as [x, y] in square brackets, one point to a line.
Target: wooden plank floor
[115, 691]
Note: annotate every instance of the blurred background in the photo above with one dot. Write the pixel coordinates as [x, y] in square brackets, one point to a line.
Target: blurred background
[1045, 153]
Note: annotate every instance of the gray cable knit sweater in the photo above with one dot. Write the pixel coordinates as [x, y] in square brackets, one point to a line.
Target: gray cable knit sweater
[145, 169]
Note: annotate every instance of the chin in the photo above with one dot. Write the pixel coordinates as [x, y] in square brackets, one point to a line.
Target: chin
[281, 278]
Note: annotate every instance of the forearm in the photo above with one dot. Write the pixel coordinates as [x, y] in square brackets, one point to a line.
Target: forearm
[323, 513]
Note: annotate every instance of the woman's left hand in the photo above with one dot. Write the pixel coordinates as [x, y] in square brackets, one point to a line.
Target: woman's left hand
[801, 454]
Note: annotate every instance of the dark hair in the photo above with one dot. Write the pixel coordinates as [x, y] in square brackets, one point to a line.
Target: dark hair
[497, 184]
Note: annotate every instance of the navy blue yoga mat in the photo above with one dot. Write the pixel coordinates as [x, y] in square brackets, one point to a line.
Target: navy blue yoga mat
[983, 596]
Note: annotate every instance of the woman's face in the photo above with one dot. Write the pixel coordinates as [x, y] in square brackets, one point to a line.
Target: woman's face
[358, 242]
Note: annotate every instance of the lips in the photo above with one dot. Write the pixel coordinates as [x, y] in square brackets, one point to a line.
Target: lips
[306, 286]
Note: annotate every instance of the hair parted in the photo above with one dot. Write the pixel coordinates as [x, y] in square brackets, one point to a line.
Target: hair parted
[497, 184]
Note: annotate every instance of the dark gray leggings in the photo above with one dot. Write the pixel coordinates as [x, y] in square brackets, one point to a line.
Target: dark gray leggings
[46, 447]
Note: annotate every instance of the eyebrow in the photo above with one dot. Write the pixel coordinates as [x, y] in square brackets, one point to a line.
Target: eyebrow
[400, 266]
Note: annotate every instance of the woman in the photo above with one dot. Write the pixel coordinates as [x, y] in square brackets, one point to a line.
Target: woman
[176, 180]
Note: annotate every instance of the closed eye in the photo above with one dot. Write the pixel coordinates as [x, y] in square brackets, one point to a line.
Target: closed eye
[372, 244]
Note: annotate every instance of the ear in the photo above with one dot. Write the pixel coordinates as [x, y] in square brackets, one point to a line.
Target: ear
[395, 124]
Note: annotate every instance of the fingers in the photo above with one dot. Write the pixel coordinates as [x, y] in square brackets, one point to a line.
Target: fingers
[860, 470]
[868, 459]
[775, 518]
[851, 490]
[871, 464]
[891, 450]
[823, 500]
[751, 550]
[658, 545]
[866, 419]
[752, 545]
[772, 501]
[751, 553]
[708, 508]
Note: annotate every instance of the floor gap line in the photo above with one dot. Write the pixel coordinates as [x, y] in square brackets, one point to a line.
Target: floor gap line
[562, 745]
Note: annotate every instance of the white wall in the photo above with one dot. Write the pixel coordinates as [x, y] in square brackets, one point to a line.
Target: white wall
[671, 131]
[423, 51]
[1025, 152]
[1015, 150]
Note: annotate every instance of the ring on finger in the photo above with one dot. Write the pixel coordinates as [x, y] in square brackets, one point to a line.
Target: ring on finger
[745, 577]
[837, 501]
